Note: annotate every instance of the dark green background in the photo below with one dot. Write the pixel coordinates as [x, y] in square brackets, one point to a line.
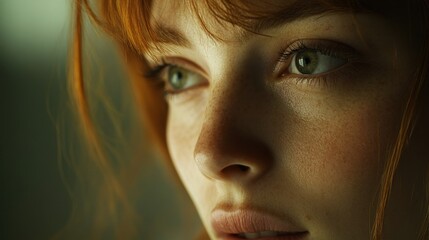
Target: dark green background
[34, 36]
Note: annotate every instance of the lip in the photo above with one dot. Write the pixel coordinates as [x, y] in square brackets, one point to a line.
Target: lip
[228, 223]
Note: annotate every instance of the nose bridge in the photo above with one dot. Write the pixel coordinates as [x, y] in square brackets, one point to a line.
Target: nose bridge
[232, 107]
[228, 144]
[236, 92]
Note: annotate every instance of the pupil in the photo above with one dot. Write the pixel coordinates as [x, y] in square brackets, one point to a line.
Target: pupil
[176, 78]
[306, 61]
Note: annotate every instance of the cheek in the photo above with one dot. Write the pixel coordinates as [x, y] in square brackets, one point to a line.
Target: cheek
[340, 153]
[352, 139]
[338, 142]
[181, 139]
[337, 157]
[182, 134]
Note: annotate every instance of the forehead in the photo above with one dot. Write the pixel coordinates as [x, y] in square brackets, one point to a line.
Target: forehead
[189, 17]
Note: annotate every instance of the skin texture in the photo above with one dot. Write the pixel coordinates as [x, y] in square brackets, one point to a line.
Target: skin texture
[313, 147]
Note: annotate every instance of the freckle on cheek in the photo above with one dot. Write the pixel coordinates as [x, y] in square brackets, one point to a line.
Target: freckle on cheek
[341, 158]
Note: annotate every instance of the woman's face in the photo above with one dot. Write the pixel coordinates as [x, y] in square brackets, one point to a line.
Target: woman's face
[282, 133]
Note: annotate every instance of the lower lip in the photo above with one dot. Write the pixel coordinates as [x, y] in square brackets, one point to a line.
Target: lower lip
[295, 236]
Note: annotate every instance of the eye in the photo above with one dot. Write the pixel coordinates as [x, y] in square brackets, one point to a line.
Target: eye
[312, 62]
[179, 79]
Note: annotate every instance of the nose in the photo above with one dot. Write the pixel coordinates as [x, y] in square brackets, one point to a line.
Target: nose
[231, 158]
[231, 145]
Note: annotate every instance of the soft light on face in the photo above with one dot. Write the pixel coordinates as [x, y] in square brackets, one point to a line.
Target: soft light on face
[294, 123]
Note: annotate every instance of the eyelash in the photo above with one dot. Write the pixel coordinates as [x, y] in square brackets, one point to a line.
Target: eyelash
[154, 72]
[328, 48]
[301, 45]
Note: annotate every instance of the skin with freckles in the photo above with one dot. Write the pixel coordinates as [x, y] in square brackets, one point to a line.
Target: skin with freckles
[246, 128]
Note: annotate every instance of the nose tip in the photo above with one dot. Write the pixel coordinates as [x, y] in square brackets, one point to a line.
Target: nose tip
[235, 162]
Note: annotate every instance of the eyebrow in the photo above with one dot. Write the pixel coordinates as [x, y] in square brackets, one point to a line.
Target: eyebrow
[167, 35]
[295, 11]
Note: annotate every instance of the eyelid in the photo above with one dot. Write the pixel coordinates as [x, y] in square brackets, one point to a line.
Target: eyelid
[325, 46]
[185, 64]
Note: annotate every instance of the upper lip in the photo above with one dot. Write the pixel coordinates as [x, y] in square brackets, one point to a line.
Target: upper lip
[229, 221]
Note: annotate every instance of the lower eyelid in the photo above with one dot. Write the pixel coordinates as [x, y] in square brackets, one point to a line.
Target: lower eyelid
[346, 76]
[185, 95]
[291, 75]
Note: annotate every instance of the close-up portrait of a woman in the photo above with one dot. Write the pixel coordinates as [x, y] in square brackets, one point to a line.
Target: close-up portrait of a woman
[277, 119]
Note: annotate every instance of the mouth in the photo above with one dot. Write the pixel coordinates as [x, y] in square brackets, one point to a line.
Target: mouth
[245, 223]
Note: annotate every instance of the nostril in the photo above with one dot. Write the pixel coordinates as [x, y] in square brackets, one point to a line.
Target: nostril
[236, 169]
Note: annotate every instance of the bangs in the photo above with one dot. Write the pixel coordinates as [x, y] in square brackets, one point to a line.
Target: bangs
[130, 22]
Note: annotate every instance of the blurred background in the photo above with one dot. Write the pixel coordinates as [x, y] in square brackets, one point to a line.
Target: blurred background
[34, 38]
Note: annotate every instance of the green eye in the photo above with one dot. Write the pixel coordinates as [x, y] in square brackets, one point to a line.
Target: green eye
[311, 62]
[179, 79]
[306, 62]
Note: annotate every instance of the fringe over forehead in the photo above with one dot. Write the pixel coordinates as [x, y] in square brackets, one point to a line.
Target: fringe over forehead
[131, 22]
